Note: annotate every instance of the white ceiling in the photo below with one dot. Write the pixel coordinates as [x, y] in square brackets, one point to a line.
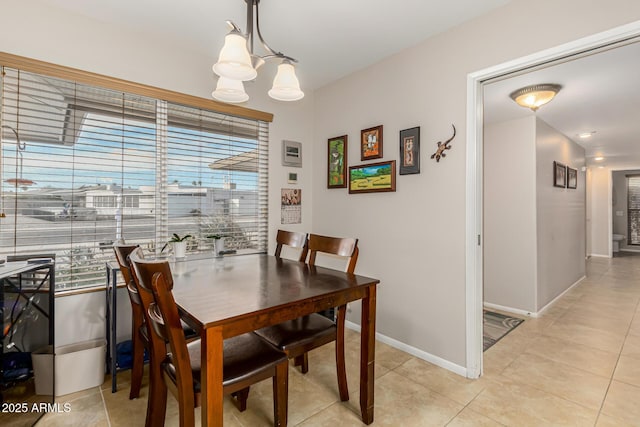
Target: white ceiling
[333, 38]
[600, 93]
[329, 38]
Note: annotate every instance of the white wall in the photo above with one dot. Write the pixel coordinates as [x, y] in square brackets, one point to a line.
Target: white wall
[509, 200]
[414, 239]
[600, 194]
[561, 216]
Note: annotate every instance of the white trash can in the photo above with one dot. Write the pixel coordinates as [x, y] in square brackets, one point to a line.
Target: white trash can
[77, 367]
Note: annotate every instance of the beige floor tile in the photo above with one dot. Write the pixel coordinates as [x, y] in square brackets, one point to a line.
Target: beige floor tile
[470, 418]
[589, 359]
[442, 381]
[584, 335]
[622, 402]
[516, 404]
[399, 402]
[628, 371]
[86, 409]
[559, 379]
[335, 415]
[607, 421]
[631, 346]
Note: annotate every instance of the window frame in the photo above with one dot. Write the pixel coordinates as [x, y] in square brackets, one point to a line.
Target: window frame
[106, 82]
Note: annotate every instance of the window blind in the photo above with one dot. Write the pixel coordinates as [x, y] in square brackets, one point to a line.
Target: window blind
[633, 206]
[84, 166]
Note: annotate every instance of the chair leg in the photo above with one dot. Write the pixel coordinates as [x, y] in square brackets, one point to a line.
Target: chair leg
[157, 403]
[340, 362]
[137, 355]
[240, 399]
[281, 394]
[186, 407]
[303, 362]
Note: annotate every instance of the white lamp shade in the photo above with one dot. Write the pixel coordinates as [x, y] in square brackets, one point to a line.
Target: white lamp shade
[230, 90]
[234, 61]
[286, 86]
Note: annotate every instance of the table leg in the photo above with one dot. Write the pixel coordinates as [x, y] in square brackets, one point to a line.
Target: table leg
[367, 354]
[211, 377]
[112, 332]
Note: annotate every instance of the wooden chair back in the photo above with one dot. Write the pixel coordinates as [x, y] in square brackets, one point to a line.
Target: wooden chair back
[165, 319]
[293, 239]
[122, 252]
[340, 246]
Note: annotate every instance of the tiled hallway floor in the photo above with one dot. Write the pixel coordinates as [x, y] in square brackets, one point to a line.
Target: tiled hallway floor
[577, 364]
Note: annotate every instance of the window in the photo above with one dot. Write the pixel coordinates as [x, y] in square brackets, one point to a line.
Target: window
[83, 166]
[633, 206]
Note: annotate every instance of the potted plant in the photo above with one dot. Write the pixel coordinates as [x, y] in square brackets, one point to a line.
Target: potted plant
[218, 243]
[179, 245]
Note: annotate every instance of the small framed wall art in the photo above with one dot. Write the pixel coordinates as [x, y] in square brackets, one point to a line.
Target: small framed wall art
[372, 178]
[291, 153]
[572, 178]
[337, 162]
[371, 143]
[410, 151]
[559, 175]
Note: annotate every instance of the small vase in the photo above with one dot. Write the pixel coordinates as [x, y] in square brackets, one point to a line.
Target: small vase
[179, 249]
[218, 246]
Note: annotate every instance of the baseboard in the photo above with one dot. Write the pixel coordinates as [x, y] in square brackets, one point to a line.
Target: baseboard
[550, 303]
[528, 313]
[509, 309]
[629, 250]
[420, 354]
[599, 256]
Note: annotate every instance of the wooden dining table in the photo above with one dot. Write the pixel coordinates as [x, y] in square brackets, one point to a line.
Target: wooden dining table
[229, 296]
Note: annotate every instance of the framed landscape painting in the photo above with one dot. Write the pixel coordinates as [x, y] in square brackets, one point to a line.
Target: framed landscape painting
[372, 178]
[337, 162]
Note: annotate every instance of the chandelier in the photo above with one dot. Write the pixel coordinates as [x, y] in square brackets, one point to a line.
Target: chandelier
[238, 63]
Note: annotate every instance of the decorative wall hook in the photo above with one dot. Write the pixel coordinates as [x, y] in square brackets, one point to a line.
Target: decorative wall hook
[443, 146]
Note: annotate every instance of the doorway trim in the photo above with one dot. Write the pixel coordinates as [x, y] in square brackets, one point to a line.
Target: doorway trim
[474, 174]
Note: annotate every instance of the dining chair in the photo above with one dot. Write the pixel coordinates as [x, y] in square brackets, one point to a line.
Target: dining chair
[299, 336]
[247, 359]
[292, 239]
[139, 333]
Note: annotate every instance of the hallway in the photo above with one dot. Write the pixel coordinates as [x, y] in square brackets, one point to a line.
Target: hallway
[578, 364]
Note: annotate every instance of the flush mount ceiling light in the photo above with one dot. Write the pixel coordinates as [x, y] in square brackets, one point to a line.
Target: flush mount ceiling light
[237, 62]
[586, 135]
[535, 96]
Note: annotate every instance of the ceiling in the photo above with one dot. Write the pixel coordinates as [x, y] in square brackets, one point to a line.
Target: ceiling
[600, 93]
[329, 38]
[334, 38]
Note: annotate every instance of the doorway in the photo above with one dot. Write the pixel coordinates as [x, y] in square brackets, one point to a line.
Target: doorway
[474, 177]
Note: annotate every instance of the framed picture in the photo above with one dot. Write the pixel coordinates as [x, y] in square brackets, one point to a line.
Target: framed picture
[559, 175]
[372, 178]
[410, 151]
[371, 143]
[572, 178]
[292, 178]
[292, 154]
[337, 162]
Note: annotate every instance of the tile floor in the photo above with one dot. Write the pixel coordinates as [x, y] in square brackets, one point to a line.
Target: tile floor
[577, 364]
